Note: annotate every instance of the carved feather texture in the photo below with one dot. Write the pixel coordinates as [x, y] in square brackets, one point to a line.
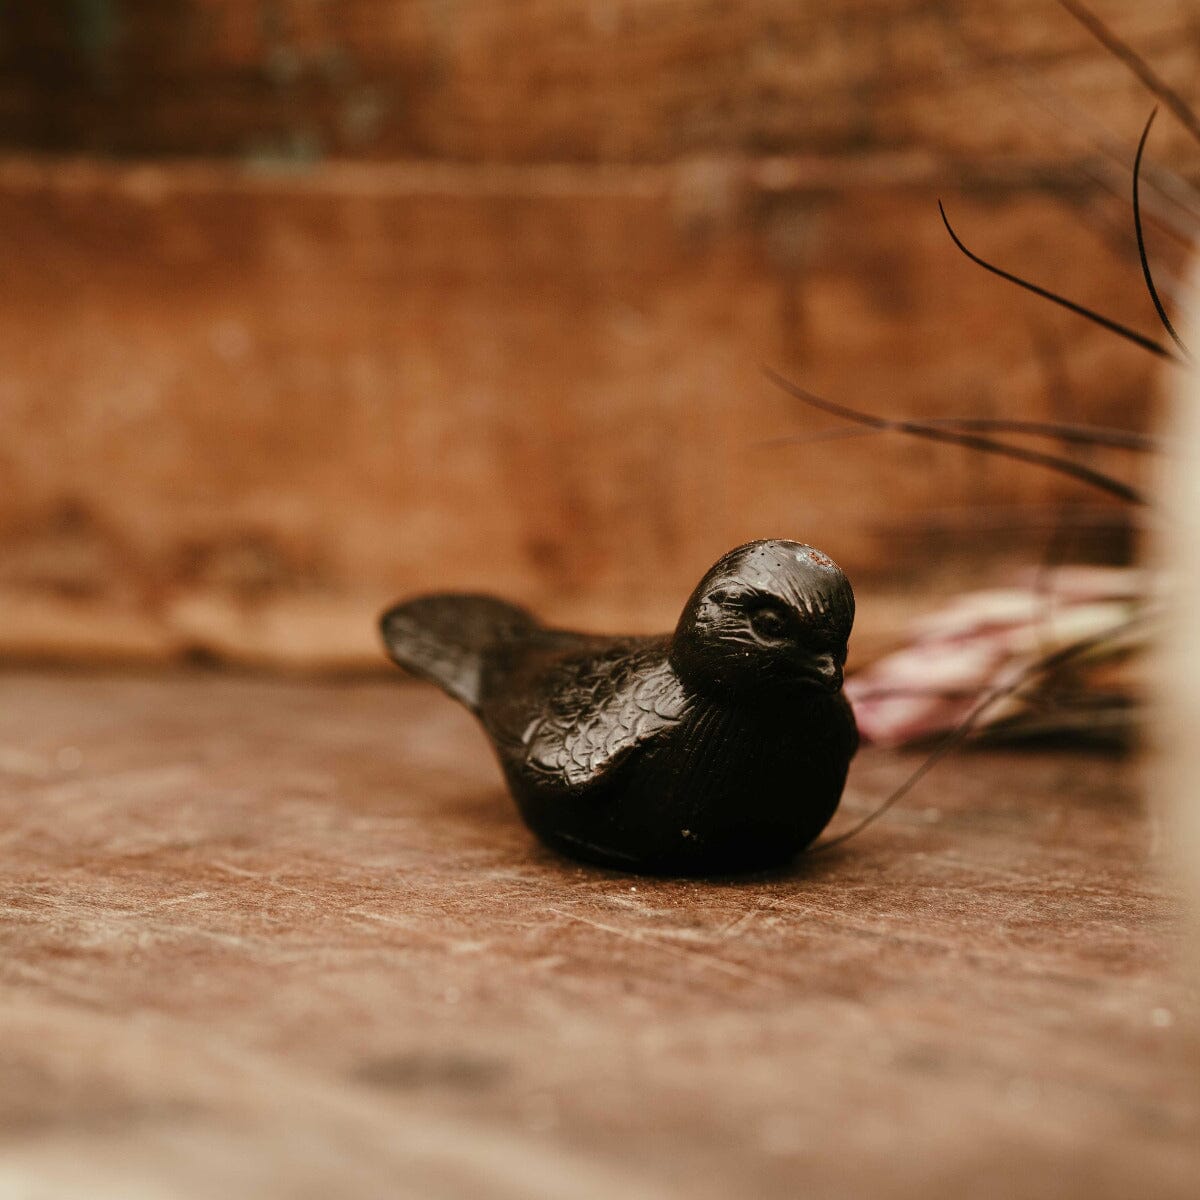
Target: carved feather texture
[605, 707]
[723, 746]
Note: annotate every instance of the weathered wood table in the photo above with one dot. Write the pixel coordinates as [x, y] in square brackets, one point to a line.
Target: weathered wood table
[274, 939]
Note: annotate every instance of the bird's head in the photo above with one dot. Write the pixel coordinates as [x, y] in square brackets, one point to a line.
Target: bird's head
[771, 618]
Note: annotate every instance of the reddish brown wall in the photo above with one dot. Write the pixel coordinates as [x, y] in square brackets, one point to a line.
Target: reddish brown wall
[244, 407]
[573, 80]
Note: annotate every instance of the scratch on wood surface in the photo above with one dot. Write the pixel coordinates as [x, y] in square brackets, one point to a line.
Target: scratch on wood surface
[171, 901]
[382, 918]
[1019, 878]
[944, 941]
[450, 943]
[260, 877]
[698, 957]
[96, 923]
[885, 925]
[738, 925]
[237, 941]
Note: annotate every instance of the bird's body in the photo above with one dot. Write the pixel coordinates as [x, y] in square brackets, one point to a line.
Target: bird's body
[656, 753]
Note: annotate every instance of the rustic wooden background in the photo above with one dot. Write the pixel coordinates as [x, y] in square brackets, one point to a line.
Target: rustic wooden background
[304, 305]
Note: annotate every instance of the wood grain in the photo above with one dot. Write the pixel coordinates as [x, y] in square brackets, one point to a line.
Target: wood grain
[281, 940]
[308, 305]
[628, 81]
[247, 412]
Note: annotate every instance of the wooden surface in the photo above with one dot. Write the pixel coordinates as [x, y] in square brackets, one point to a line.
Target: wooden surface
[305, 305]
[289, 940]
[245, 414]
[569, 81]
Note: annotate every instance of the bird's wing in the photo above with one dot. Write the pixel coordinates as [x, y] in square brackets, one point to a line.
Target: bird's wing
[600, 710]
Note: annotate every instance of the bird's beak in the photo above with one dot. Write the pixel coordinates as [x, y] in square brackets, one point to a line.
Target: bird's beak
[825, 671]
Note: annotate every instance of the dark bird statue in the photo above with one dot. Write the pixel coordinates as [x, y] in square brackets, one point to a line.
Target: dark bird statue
[722, 747]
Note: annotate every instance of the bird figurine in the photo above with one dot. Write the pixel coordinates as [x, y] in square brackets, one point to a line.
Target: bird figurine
[719, 748]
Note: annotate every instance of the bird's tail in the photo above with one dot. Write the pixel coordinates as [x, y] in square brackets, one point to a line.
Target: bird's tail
[443, 638]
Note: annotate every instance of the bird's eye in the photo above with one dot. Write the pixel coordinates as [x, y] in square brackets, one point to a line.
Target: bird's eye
[769, 623]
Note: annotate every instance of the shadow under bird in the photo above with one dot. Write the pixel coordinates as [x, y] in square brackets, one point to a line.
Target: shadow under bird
[721, 747]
